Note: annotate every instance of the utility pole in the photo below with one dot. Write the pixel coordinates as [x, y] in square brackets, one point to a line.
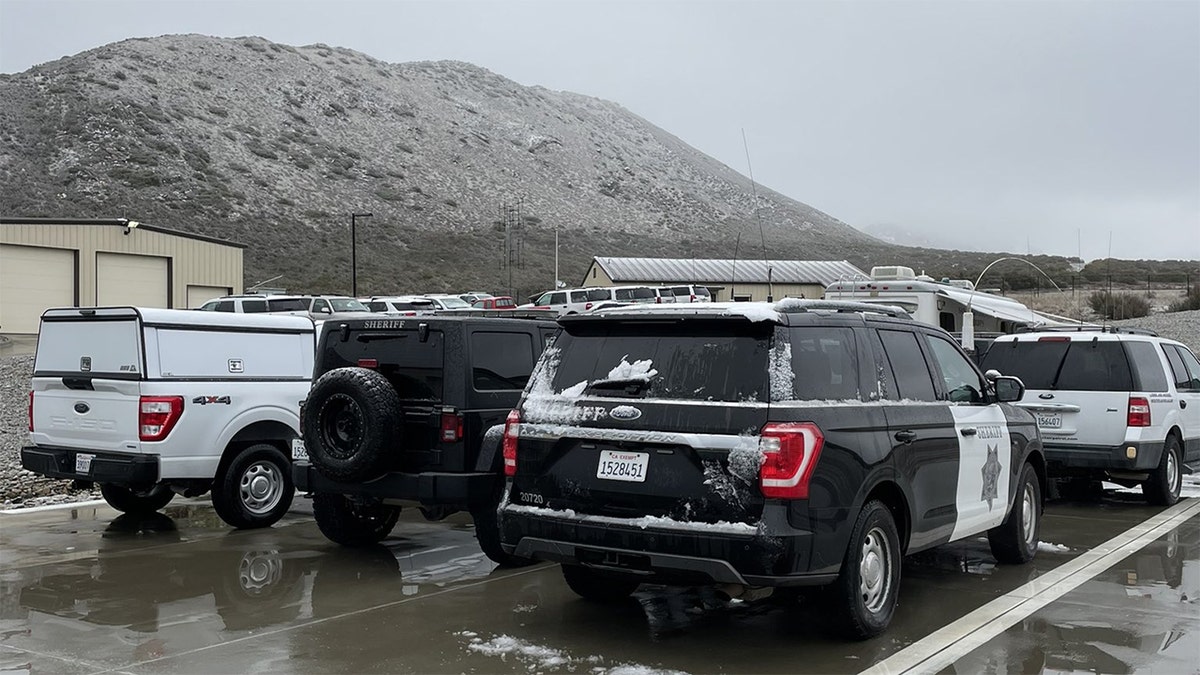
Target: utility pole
[354, 253]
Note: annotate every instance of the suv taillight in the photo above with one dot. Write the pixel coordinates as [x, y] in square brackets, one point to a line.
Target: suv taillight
[1139, 412]
[512, 427]
[452, 426]
[157, 415]
[790, 452]
[31, 410]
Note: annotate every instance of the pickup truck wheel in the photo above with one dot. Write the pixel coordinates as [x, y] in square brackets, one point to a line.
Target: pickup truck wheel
[1015, 541]
[1163, 485]
[350, 523]
[487, 531]
[863, 598]
[598, 586]
[136, 501]
[256, 488]
[351, 422]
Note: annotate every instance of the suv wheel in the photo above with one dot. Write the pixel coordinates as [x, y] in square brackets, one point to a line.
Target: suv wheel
[598, 586]
[351, 422]
[487, 531]
[256, 488]
[126, 500]
[1015, 541]
[863, 598]
[351, 523]
[1162, 487]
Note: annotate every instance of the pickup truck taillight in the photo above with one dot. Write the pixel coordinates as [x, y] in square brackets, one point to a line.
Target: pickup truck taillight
[790, 452]
[157, 415]
[452, 426]
[31, 410]
[1139, 412]
[512, 426]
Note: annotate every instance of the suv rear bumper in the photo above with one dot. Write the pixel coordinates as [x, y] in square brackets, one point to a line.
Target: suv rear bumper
[1069, 459]
[660, 555]
[462, 490]
[130, 470]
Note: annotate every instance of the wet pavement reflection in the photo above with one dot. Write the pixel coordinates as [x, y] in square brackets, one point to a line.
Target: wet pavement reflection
[88, 590]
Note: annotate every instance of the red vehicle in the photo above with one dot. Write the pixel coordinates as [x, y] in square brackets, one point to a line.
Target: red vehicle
[503, 302]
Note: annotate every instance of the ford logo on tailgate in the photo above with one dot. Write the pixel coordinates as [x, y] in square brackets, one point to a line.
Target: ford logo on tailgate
[81, 407]
[625, 412]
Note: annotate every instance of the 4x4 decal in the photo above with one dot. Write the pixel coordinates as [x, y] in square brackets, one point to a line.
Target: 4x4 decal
[205, 400]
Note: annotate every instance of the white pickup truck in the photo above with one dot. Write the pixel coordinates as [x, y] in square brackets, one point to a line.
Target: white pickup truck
[148, 403]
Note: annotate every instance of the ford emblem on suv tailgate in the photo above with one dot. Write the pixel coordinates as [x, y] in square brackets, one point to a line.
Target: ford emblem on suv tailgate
[625, 412]
[81, 407]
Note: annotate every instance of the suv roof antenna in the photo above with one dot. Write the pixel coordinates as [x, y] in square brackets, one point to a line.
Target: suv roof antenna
[761, 233]
[733, 272]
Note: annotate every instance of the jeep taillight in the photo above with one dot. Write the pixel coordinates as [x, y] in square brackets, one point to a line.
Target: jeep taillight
[1139, 412]
[452, 426]
[512, 427]
[31, 410]
[157, 415]
[790, 452]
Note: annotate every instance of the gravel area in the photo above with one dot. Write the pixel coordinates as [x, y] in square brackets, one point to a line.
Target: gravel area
[19, 488]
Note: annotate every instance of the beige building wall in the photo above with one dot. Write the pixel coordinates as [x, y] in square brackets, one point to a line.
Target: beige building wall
[189, 261]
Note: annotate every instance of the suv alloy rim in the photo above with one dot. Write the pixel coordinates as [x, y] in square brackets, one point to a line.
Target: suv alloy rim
[261, 487]
[1028, 515]
[1172, 471]
[874, 571]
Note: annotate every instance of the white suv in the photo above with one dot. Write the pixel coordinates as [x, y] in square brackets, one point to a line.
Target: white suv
[1119, 406]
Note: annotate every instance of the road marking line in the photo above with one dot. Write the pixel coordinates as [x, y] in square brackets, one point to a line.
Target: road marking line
[946, 645]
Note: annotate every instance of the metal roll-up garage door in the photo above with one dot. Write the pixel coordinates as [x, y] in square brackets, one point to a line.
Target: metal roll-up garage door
[198, 295]
[33, 279]
[125, 279]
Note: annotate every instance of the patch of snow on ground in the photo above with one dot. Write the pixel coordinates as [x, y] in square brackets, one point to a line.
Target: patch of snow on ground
[539, 658]
[1047, 547]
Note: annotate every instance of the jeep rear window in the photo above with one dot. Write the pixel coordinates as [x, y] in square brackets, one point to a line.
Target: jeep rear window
[720, 361]
[501, 360]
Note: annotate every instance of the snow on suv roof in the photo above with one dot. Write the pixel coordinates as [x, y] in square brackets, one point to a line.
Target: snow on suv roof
[752, 311]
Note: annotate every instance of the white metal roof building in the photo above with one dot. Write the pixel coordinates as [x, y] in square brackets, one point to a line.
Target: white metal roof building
[88, 262]
[727, 279]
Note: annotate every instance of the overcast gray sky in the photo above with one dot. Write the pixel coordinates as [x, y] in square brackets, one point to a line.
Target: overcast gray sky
[1012, 125]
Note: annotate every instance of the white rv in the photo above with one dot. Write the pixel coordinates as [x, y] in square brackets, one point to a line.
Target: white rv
[147, 403]
[954, 305]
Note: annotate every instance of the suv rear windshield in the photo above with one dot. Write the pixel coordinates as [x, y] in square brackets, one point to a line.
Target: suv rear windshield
[1079, 365]
[628, 294]
[722, 361]
[287, 305]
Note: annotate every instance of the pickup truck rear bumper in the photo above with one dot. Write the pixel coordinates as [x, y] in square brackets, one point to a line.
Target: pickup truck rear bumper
[460, 490]
[129, 470]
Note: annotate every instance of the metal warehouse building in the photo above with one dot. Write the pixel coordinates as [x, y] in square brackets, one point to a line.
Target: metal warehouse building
[739, 280]
[68, 262]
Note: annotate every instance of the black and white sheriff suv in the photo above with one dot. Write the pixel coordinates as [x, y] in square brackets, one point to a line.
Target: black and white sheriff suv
[755, 446]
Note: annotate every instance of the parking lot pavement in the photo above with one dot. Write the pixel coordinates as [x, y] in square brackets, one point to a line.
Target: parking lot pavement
[85, 590]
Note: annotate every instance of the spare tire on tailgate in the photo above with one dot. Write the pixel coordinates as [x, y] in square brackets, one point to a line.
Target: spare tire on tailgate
[351, 422]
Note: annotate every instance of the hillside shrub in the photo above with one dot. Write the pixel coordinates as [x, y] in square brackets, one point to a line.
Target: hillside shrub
[1187, 302]
[1117, 306]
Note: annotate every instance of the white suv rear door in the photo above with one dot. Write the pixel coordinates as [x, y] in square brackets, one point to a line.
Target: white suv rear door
[1185, 371]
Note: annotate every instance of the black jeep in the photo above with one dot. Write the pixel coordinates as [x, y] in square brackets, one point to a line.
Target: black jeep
[400, 412]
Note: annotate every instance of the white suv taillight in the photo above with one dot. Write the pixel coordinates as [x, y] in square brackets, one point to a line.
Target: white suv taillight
[157, 415]
[511, 433]
[1139, 412]
[790, 452]
[31, 410]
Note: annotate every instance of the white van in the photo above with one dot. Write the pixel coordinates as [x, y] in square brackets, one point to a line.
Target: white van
[148, 403]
